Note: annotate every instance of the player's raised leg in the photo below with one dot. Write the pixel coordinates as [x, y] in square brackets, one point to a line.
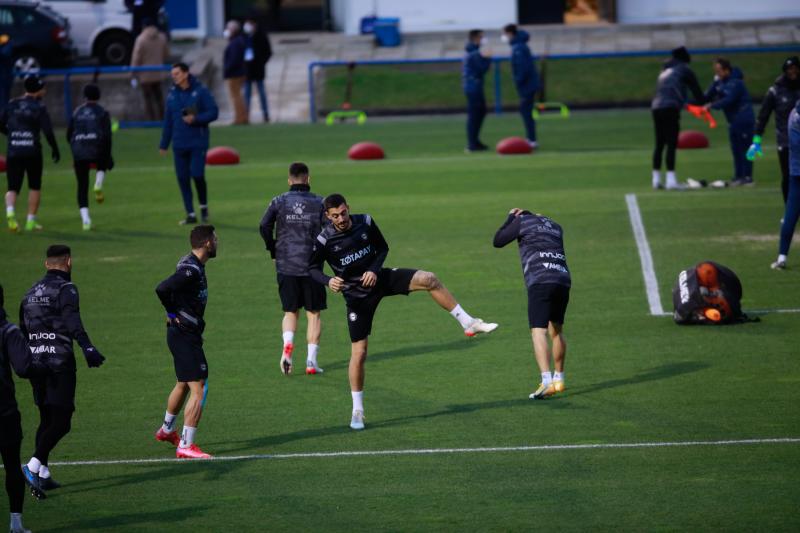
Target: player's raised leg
[428, 281]
[187, 449]
[356, 371]
[313, 334]
[175, 401]
[288, 328]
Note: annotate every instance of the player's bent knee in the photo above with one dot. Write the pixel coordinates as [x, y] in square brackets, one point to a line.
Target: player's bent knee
[428, 280]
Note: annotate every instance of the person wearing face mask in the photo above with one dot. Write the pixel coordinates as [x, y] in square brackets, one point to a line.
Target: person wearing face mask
[780, 98]
[474, 66]
[526, 77]
[256, 56]
[234, 70]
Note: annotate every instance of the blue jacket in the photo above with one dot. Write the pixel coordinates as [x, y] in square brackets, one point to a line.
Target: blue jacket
[523, 66]
[794, 141]
[473, 68]
[197, 99]
[732, 97]
[233, 65]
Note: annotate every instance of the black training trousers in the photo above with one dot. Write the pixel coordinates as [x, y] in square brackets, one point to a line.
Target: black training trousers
[783, 159]
[667, 124]
[10, 442]
[55, 421]
[82, 169]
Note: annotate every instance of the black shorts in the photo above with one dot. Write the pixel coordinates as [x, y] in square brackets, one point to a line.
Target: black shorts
[361, 311]
[547, 302]
[17, 167]
[301, 291]
[55, 389]
[10, 430]
[187, 354]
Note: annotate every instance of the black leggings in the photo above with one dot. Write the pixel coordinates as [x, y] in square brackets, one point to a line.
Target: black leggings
[15, 483]
[783, 159]
[82, 169]
[667, 124]
[54, 422]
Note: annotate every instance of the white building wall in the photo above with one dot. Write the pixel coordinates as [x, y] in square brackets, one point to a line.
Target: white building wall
[426, 15]
[657, 11]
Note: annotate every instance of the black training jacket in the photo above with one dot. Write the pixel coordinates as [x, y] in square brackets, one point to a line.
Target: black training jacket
[22, 121]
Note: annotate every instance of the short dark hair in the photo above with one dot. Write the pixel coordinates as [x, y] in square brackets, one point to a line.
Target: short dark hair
[91, 92]
[33, 84]
[333, 200]
[201, 234]
[58, 250]
[793, 61]
[724, 63]
[298, 170]
[473, 34]
[510, 28]
[681, 54]
[181, 65]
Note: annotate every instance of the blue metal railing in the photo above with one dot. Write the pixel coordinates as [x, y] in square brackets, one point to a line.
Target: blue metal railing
[498, 60]
[69, 72]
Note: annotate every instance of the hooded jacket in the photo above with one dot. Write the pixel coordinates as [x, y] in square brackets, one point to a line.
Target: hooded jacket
[675, 78]
[780, 98]
[732, 98]
[150, 49]
[198, 99]
[473, 68]
[523, 66]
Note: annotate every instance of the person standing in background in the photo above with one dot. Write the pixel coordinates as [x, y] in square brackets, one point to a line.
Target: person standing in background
[474, 66]
[256, 56]
[526, 77]
[234, 70]
[150, 49]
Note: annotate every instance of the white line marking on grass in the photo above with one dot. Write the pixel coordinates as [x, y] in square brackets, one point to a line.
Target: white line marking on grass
[441, 451]
[645, 256]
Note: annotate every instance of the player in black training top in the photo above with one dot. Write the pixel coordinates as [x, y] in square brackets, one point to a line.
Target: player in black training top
[289, 227]
[49, 316]
[21, 121]
[544, 266]
[184, 295]
[89, 137]
[355, 249]
[14, 353]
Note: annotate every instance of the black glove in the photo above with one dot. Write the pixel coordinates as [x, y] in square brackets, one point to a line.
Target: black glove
[56, 155]
[93, 358]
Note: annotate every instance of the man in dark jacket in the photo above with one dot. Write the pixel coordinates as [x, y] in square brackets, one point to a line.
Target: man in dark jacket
[526, 77]
[233, 70]
[22, 121]
[256, 56]
[49, 316]
[89, 137]
[675, 78]
[780, 98]
[14, 353]
[474, 66]
[729, 93]
[289, 228]
[190, 109]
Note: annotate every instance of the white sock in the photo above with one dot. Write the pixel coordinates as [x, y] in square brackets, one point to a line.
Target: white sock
[31, 217]
[558, 376]
[44, 472]
[312, 353]
[169, 422]
[358, 400]
[671, 179]
[547, 378]
[187, 437]
[16, 521]
[34, 465]
[98, 179]
[288, 337]
[10, 211]
[781, 258]
[462, 316]
[85, 215]
[656, 177]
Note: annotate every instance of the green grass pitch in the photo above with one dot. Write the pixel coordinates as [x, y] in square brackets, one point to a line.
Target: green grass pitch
[631, 377]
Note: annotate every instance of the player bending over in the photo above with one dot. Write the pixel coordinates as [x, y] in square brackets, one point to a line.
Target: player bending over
[355, 249]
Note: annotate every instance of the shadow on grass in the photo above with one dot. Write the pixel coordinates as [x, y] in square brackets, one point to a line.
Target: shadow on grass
[146, 474]
[409, 351]
[158, 520]
[654, 374]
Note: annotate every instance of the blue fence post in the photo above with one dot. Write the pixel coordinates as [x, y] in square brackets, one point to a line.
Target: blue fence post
[67, 98]
[312, 107]
[498, 98]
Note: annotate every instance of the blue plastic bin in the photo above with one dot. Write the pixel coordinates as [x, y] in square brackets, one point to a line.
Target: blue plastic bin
[387, 31]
